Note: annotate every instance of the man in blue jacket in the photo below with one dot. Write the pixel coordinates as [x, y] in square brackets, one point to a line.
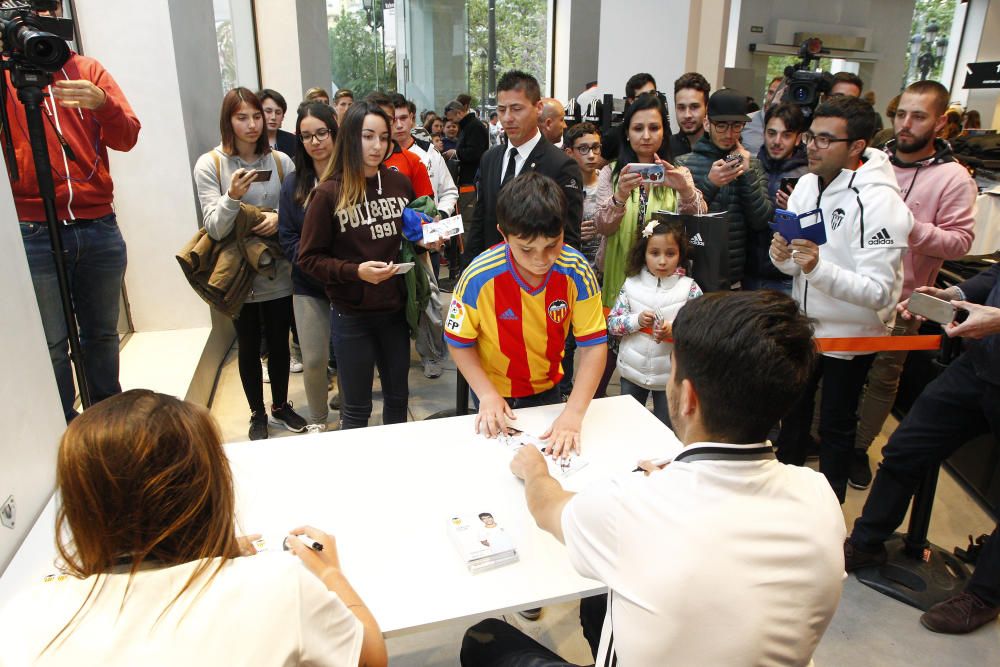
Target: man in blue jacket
[960, 404]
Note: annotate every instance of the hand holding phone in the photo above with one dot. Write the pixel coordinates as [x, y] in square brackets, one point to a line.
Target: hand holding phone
[404, 267]
[262, 176]
[931, 308]
[652, 174]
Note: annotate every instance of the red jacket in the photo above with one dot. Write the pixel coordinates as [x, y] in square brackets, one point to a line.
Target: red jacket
[409, 165]
[87, 192]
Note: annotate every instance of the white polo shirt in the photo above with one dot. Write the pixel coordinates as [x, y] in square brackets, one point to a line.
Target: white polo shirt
[259, 610]
[724, 557]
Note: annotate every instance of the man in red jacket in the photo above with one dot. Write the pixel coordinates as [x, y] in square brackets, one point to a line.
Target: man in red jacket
[88, 111]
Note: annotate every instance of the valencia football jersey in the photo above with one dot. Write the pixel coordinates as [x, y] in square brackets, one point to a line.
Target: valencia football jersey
[520, 332]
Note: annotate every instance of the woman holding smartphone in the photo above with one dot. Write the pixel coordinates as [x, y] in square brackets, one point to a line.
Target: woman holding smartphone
[350, 240]
[626, 204]
[153, 568]
[316, 129]
[243, 169]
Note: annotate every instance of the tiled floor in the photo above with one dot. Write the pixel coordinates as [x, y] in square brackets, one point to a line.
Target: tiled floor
[869, 629]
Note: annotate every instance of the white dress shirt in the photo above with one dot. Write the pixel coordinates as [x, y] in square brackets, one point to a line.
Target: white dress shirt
[523, 151]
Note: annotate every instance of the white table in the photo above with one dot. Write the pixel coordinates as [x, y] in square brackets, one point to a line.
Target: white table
[387, 493]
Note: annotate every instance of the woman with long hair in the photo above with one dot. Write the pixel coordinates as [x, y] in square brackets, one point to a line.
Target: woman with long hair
[153, 565]
[625, 204]
[316, 129]
[350, 241]
[243, 169]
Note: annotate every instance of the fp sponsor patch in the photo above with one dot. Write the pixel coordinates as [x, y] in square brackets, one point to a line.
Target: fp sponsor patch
[456, 315]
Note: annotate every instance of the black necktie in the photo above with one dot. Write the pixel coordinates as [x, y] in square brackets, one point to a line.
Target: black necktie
[511, 166]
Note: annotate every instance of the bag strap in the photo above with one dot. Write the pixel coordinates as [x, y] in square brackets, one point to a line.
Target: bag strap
[218, 168]
[281, 170]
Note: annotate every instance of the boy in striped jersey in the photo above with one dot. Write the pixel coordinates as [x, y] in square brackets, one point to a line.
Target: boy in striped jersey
[515, 305]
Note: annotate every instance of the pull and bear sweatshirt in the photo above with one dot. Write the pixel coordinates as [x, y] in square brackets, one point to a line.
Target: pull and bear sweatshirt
[335, 242]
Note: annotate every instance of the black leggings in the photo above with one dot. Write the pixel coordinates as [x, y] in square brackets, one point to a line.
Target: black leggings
[276, 317]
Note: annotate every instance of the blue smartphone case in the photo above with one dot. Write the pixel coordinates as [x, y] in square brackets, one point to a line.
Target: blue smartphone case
[808, 226]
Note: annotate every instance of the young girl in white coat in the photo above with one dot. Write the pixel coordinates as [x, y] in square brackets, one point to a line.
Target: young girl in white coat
[653, 293]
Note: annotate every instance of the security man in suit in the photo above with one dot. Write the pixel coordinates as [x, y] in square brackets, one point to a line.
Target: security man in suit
[519, 105]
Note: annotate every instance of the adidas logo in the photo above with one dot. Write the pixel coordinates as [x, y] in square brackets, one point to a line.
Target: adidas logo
[509, 315]
[881, 238]
[697, 240]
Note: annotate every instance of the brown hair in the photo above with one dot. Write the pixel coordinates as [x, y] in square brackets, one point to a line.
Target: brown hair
[347, 161]
[231, 104]
[143, 477]
[315, 92]
[933, 88]
[637, 253]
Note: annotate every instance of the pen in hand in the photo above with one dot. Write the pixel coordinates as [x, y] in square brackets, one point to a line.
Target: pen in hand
[655, 463]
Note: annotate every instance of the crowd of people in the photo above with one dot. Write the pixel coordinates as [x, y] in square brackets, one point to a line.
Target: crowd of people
[565, 274]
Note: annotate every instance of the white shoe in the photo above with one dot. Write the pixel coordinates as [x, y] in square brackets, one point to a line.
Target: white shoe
[315, 428]
[267, 376]
[295, 365]
[432, 368]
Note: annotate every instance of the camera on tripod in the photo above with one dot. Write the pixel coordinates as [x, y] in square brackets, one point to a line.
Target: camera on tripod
[31, 41]
[804, 87]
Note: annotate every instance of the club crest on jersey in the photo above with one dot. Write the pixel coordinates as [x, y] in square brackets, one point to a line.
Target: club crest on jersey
[456, 314]
[558, 310]
[836, 218]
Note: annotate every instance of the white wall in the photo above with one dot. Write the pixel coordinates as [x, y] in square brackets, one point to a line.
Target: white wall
[165, 60]
[889, 21]
[29, 402]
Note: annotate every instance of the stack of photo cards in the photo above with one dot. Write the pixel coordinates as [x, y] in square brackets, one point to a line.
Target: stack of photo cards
[482, 542]
[558, 468]
[442, 229]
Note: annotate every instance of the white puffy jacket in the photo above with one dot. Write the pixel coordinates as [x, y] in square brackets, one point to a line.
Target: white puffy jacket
[854, 288]
[641, 359]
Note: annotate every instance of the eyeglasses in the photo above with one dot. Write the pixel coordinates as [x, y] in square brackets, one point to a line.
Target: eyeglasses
[319, 136]
[585, 149]
[728, 126]
[822, 141]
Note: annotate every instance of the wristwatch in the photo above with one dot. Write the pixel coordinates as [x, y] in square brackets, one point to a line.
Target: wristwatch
[616, 203]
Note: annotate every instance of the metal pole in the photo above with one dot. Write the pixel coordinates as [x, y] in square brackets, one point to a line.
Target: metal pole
[491, 15]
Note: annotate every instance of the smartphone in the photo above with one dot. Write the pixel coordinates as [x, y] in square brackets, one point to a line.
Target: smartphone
[932, 308]
[404, 267]
[262, 176]
[651, 173]
[734, 159]
[788, 184]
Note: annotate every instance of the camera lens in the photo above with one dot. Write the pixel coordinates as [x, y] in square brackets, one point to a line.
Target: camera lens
[800, 94]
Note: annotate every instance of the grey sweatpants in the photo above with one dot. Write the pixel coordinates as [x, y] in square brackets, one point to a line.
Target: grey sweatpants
[312, 317]
[430, 332]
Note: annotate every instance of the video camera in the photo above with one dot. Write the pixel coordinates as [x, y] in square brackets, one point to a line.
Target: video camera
[31, 41]
[804, 86]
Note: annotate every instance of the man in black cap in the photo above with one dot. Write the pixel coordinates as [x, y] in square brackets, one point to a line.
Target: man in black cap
[473, 141]
[731, 179]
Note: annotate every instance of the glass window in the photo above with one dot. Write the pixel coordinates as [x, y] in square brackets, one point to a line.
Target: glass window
[929, 35]
[234, 31]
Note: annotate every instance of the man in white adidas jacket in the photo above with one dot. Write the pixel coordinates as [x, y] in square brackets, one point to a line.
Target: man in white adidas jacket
[851, 284]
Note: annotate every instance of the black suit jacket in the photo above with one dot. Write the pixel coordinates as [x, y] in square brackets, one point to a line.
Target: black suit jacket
[481, 232]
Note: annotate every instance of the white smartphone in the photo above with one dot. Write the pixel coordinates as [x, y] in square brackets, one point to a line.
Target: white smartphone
[404, 267]
[652, 174]
[932, 308]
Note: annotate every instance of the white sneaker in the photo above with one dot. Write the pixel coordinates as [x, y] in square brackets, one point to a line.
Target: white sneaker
[432, 368]
[267, 376]
[295, 365]
[315, 428]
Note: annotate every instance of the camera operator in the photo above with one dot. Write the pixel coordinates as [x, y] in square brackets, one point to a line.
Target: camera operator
[734, 186]
[963, 402]
[87, 114]
[847, 83]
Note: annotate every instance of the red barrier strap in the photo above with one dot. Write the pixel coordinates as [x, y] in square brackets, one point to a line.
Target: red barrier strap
[879, 344]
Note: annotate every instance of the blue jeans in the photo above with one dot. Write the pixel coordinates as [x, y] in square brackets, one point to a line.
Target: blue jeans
[778, 284]
[362, 343]
[640, 394]
[95, 266]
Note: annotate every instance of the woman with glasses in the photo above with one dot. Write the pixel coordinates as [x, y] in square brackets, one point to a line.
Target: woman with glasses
[316, 129]
[351, 238]
[625, 204]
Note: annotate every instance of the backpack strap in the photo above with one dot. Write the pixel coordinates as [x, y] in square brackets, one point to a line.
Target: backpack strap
[281, 170]
[218, 168]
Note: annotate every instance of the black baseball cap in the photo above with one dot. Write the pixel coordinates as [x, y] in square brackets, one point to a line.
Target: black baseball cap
[728, 105]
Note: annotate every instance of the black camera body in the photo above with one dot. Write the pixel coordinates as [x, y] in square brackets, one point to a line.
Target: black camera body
[33, 41]
[803, 86]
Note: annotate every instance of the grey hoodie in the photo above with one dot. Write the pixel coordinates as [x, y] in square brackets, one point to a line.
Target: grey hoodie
[219, 210]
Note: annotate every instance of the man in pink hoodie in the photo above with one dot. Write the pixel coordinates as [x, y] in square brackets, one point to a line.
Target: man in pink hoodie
[942, 197]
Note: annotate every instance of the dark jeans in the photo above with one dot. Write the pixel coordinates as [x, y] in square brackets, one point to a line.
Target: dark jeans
[640, 393]
[952, 410]
[609, 369]
[364, 342]
[95, 265]
[275, 317]
[566, 384]
[494, 643]
[843, 380]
